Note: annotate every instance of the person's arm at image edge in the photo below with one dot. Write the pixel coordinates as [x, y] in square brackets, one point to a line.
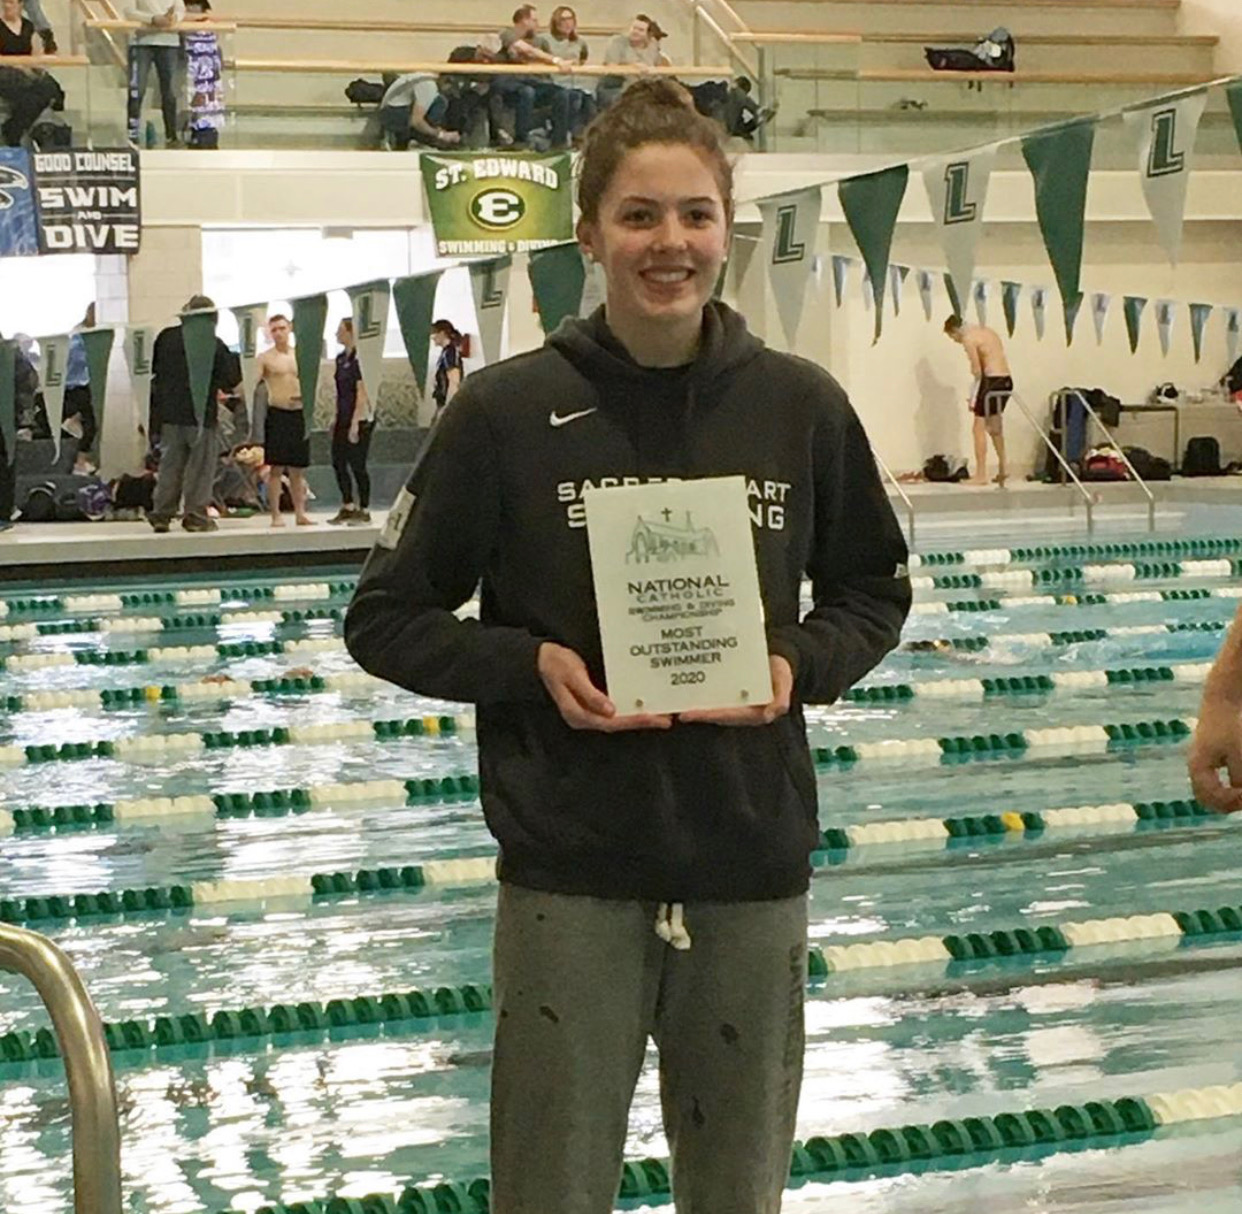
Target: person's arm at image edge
[1217, 741]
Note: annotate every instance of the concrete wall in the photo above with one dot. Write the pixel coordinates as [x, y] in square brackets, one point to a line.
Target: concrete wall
[1222, 18]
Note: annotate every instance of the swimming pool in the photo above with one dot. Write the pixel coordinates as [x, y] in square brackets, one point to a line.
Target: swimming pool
[345, 1103]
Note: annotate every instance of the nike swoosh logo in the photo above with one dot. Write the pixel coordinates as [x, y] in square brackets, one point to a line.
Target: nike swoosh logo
[558, 419]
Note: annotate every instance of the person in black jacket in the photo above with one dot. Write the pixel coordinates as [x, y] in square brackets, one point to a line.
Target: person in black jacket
[188, 437]
[701, 824]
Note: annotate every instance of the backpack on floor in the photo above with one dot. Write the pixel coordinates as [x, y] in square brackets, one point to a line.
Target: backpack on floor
[1202, 457]
[1149, 467]
[995, 53]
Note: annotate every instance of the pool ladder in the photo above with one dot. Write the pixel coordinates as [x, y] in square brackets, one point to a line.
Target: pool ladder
[88, 1066]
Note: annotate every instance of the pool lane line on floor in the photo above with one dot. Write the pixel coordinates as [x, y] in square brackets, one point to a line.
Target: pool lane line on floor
[1013, 744]
[194, 596]
[974, 644]
[357, 683]
[148, 1041]
[1206, 546]
[941, 607]
[970, 1142]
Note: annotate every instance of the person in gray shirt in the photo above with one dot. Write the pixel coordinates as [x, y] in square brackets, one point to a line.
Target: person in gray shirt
[566, 43]
[639, 46]
[156, 45]
[520, 44]
[413, 110]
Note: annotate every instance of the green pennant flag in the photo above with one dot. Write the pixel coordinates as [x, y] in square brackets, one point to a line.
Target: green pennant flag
[8, 399]
[1234, 94]
[1071, 309]
[98, 343]
[309, 315]
[871, 204]
[415, 300]
[1133, 306]
[558, 278]
[1011, 292]
[1199, 313]
[198, 335]
[1060, 162]
[955, 300]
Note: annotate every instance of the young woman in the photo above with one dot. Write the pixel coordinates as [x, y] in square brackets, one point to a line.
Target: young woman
[701, 825]
[351, 432]
[448, 366]
[26, 92]
[566, 43]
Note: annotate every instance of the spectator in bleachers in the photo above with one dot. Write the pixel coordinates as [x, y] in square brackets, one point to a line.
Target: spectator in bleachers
[156, 45]
[27, 91]
[520, 43]
[567, 44]
[43, 27]
[414, 110]
[639, 47]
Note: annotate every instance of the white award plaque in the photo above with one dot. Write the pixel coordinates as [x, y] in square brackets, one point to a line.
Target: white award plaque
[677, 588]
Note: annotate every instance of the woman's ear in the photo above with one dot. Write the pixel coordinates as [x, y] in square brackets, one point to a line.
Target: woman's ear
[586, 242]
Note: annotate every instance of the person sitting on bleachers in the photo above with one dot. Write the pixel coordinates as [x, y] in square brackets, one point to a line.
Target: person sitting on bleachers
[27, 91]
[639, 46]
[43, 27]
[414, 110]
[520, 44]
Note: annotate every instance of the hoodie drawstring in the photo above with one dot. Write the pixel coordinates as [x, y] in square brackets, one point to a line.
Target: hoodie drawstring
[670, 925]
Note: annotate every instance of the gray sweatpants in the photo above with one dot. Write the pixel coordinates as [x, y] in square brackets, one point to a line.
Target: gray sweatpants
[187, 466]
[579, 984]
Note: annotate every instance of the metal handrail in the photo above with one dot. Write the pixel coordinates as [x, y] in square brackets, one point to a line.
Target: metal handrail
[1125, 459]
[88, 1066]
[886, 472]
[700, 14]
[1030, 417]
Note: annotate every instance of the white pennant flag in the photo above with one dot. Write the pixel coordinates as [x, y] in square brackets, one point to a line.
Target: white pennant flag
[250, 322]
[1166, 133]
[1165, 311]
[139, 345]
[489, 282]
[980, 295]
[1233, 330]
[926, 283]
[896, 281]
[1100, 304]
[594, 287]
[868, 295]
[957, 188]
[369, 307]
[1039, 309]
[54, 360]
[840, 276]
[790, 230]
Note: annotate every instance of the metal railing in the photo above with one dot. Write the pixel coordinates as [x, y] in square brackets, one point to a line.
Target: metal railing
[886, 472]
[88, 1066]
[1125, 459]
[1087, 496]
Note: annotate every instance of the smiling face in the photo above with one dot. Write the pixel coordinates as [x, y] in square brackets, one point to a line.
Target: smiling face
[12, 10]
[661, 235]
[640, 32]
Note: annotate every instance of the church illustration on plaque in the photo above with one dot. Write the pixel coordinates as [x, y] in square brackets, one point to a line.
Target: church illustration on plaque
[665, 540]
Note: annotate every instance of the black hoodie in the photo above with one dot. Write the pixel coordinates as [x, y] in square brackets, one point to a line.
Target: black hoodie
[697, 812]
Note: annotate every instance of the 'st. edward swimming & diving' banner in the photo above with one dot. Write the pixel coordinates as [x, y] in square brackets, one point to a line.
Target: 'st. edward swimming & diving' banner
[75, 200]
[486, 205]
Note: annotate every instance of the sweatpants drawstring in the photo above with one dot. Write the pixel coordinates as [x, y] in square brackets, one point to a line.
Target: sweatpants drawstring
[670, 925]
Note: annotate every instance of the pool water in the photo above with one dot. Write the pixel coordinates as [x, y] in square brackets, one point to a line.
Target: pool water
[369, 1109]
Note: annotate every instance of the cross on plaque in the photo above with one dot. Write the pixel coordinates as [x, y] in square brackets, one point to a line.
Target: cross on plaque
[668, 514]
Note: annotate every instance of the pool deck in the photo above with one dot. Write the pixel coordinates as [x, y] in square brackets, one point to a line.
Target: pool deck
[59, 551]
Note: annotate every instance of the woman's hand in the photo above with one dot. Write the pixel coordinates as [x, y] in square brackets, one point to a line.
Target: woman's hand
[582, 705]
[759, 714]
[1217, 743]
